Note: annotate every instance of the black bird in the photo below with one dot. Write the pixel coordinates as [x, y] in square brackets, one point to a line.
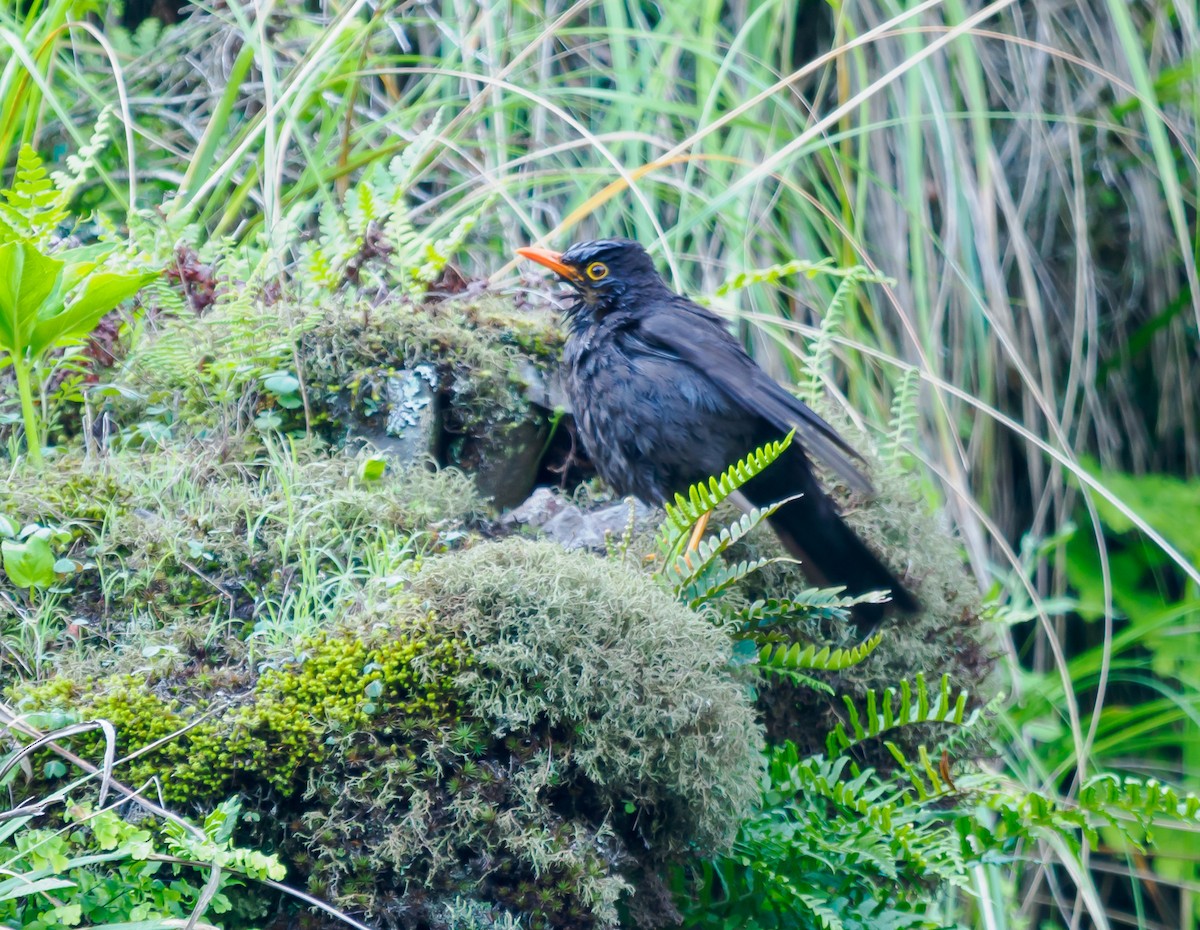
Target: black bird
[664, 397]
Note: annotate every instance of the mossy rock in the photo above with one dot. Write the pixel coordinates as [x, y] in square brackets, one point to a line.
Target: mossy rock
[339, 371]
[480, 356]
[526, 728]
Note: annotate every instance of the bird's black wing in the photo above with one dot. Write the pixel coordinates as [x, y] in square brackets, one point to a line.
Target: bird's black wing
[682, 330]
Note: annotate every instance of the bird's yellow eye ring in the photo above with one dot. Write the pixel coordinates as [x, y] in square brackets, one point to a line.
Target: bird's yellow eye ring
[597, 270]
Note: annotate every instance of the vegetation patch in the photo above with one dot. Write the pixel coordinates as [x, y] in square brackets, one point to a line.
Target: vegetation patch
[182, 556]
[469, 737]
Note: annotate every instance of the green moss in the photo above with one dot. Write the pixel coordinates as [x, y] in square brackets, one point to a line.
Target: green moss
[523, 727]
[574, 648]
[270, 736]
[190, 555]
[601, 735]
[75, 494]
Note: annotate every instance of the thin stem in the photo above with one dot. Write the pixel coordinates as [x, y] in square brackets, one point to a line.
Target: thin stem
[33, 439]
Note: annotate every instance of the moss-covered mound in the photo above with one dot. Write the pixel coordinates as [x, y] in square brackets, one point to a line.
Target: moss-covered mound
[525, 728]
[579, 649]
[182, 553]
[450, 380]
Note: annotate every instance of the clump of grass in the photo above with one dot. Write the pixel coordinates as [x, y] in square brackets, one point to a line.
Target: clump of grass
[191, 556]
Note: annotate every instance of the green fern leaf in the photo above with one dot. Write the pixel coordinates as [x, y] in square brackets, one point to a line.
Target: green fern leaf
[86, 162]
[889, 814]
[825, 659]
[703, 498]
[775, 273]
[894, 708]
[33, 208]
[688, 571]
[813, 603]
[405, 167]
[361, 208]
[719, 578]
[827, 918]
[905, 415]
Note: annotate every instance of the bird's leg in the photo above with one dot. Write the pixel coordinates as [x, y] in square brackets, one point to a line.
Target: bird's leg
[697, 535]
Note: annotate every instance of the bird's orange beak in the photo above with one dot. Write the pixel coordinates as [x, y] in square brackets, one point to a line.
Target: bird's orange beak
[552, 260]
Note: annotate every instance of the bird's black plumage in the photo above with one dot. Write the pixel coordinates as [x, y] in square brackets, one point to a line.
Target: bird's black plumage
[664, 397]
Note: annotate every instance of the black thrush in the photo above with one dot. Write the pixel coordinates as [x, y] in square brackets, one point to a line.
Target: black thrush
[664, 397]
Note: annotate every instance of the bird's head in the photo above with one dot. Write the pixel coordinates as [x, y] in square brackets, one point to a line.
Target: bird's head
[604, 272]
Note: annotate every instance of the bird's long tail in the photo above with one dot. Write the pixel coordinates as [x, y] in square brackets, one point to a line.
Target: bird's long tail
[813, 531]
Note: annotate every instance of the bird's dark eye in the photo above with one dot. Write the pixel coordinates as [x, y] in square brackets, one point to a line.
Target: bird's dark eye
[597, 270]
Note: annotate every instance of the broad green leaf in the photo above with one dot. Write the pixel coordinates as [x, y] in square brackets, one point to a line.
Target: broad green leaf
[27, 279]
[74, 272]
[372, 469]
[220, 822]
[29, 564]
[68, 915]
[281, 383]
[101, 293]
[1167, 503]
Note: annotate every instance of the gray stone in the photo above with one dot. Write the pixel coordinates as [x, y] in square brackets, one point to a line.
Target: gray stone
[570, 525]
[412, 408]
[544, 389]
[412, 425]
[508, 461]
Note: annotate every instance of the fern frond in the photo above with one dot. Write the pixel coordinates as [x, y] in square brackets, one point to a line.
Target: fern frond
[826, 916]
[1130, 806]
[403, 169]
[819, 352]
[439, 252]
[1124, 801]
[164, 296]
[145, 38]
[33, 208]
[926, 781]
[813, 603]
[774, 273]
[704, 498]
[84, 163]
[911, 704]
[361, 207]
[682, 571]
[717, 578]
[403, 235]
[888, 813]
[158, 362]
[902, 428]
[796, 657]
